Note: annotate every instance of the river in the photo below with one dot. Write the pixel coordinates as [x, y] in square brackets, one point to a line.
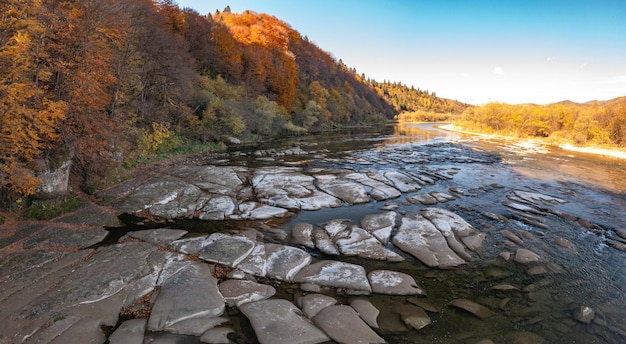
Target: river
[576, 237]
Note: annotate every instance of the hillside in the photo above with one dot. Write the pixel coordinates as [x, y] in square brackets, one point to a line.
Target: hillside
[111, 84]
[595, 122]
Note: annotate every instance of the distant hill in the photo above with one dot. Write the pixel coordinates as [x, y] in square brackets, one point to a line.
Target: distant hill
[594, 122]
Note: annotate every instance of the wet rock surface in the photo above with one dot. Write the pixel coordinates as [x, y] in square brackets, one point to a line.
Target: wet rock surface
[466, 251]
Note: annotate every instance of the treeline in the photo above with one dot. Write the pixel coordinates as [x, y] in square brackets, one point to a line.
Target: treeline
[106, 83]
[411, 99]
[596, 122]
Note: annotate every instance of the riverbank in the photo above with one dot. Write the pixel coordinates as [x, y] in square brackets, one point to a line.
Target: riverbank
[611, 152]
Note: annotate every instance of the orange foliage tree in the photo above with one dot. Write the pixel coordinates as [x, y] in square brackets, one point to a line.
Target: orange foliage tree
[29, 116]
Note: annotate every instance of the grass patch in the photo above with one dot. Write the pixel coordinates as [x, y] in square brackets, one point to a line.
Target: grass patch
[50, 208]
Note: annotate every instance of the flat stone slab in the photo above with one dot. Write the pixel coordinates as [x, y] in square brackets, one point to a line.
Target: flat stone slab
[451, 226]
[379, 190]
[129, 332]
[335, 274]
[288, 187]
[281, 262]
[420, 238]
[311, 304]
[366, 310]
[393, 283]
[281, 322]
[413, 316]
[191, 293]
[380, 225]
[402, 181]
[220, 180]
[362, 244]
[61, 237]
[159, 236]
[238, 292]
[284, 262]
[344, 189]
[302, 235]
[226, 249]
[257, 211]
[343, 325]
[218, 207]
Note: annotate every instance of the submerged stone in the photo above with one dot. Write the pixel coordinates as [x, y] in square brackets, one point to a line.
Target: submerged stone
[480, 311]
[343, 325]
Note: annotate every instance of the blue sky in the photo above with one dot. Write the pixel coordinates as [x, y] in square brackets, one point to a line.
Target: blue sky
[473, 51]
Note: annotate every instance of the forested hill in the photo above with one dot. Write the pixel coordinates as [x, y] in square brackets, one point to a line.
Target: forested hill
[108, 84]
[595, 122]
[411, 99]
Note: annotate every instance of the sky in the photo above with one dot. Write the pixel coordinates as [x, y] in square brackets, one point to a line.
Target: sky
[473, 51]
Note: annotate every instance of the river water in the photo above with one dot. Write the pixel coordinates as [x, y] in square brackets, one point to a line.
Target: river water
[585, 271]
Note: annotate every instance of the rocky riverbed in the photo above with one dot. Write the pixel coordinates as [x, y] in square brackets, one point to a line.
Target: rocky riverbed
[402, 243]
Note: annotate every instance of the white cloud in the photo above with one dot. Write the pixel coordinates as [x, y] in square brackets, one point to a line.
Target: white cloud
[497, 70]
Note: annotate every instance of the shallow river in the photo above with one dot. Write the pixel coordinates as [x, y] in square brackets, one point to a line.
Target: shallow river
[589, 271]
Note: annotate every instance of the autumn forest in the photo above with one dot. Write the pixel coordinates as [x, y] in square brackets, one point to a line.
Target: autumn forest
[109, 84]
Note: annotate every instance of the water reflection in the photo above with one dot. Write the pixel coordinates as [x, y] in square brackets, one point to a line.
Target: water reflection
[419, 133]
[532, 159]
